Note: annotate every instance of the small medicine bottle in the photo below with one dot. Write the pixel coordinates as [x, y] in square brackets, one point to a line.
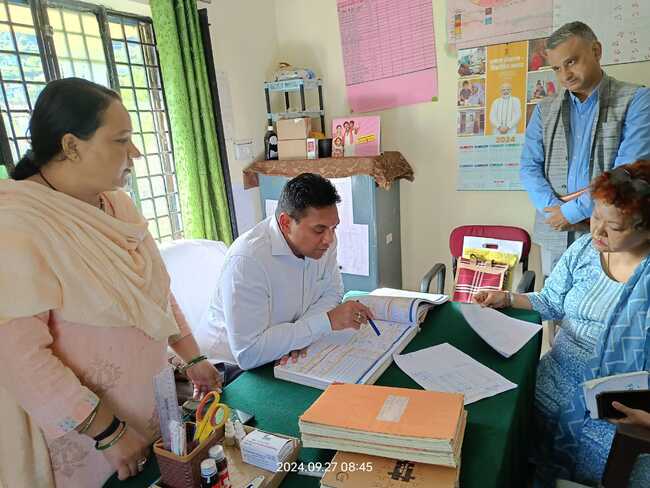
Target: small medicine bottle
[217, 453]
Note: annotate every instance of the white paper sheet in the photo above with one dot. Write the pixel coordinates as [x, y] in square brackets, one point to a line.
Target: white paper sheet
[505, 334]
[434, 298]
[445, 368]
[353, 249]
[344, 189]
[270, 206]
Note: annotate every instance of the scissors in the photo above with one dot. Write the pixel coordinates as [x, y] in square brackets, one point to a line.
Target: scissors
[209, 418]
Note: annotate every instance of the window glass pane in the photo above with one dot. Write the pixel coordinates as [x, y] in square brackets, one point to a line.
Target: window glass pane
[146, 118]
[144, 190]
[32, 67]
[141, 167]
[77, 47]
[26, 39]
[147, 209]
[100, 75]
[155, 168]
[124, 75]
[135, 53]
[23, 147]
[150, 143]
[90, 25]
[158, 185]
[82, 70]
[150, 55]
[153, 228]
[161, 206]
[54, 17]
[95, 48]
[116, 30]
[9, 67]
[6, 41]
[61, 45]
[20, 14]
[139, 76]
[21, 123]
[65, 66]
[154, 78]
[131, 32]
[165, 226]
[128, 99]
[34, 91]
[143, 99]
[135, 121]
[119, 52]
[16, 96]
[71, 21]
[3, 12]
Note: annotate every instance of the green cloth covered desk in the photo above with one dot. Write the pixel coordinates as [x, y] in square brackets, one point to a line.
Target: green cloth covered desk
[498, 430]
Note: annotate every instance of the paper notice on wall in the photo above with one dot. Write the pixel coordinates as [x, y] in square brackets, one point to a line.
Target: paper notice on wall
[269, 207]
[622, 26]
[344, 189]
[353, 249]
[472, 23]
[388, 53]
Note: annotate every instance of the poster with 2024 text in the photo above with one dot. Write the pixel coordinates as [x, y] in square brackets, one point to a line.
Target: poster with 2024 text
[498, 89]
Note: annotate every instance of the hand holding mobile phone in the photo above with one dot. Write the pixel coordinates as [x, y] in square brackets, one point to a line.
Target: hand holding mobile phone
[636, 399]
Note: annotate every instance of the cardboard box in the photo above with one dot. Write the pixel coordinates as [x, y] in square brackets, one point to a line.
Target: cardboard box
[292, 149]
[298, 128]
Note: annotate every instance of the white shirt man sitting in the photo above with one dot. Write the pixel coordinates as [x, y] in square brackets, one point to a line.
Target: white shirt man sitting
[280, 287]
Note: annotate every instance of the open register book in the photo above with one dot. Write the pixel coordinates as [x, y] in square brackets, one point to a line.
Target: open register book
[360, 356]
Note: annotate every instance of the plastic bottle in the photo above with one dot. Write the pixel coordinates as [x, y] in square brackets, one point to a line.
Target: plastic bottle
[209, 474]
[270, 143]
[217, 453]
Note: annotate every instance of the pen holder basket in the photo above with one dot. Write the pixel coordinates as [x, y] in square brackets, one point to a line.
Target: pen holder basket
[184, 471]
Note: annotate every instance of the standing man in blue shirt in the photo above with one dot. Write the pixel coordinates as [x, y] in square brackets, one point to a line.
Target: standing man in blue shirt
[592, 124]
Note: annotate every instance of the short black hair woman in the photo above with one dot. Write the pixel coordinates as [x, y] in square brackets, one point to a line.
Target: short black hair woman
[86, 313]
[600, 289]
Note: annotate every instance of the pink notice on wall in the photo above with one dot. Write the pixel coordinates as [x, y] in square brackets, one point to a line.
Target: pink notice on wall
[388, 53]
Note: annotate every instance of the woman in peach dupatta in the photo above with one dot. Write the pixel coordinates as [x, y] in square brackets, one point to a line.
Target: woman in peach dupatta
[86, 313]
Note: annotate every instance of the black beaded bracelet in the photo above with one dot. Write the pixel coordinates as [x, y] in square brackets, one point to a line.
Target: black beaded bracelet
[108, 431]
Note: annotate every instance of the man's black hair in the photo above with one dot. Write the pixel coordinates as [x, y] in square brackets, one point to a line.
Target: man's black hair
[304, 191]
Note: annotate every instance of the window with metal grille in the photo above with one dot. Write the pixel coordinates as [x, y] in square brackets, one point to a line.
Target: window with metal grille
[41, 41]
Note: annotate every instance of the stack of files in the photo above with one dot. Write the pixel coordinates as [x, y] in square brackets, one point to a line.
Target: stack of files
[373, 472]
[361, 356]
[636, 380]
[397, 423]
[505, 334]
[264, 450]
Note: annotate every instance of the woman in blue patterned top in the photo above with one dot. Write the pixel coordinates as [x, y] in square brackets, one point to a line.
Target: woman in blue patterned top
[600, 290]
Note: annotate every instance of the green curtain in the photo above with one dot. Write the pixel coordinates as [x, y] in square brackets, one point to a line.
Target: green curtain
[204, 204]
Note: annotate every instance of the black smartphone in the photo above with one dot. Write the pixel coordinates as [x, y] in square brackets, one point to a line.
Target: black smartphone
[637, 399]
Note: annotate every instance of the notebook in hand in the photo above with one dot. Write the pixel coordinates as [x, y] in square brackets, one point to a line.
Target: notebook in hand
[636, 380]
[361, 356]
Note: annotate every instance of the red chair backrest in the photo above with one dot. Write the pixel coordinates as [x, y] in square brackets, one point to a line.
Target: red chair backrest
[493, 231]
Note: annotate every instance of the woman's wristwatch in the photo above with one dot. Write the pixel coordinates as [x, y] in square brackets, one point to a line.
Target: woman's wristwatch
[508, 299]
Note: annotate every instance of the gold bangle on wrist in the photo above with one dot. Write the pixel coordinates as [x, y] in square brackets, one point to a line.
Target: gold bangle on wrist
[192, 362]
[114, 440]
[90, 419]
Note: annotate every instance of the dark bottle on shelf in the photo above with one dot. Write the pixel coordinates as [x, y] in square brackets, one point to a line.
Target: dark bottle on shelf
[270, 143]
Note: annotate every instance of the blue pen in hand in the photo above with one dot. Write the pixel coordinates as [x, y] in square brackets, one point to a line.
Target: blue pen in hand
[374, 326]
